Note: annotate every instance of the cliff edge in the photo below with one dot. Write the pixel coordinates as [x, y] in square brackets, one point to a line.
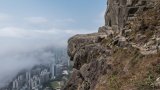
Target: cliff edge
[124, 54]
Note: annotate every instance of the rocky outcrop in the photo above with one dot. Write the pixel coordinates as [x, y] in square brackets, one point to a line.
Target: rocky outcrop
[86, 52]
[124, 54]
[119, 12]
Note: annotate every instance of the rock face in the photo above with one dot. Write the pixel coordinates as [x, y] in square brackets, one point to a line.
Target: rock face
[119, 12]
[124, 54]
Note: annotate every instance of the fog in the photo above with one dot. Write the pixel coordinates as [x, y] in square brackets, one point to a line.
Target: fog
[22, 49]
[27, 27]
[19, 54]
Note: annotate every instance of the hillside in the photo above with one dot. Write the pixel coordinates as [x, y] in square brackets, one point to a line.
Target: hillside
[124, 54]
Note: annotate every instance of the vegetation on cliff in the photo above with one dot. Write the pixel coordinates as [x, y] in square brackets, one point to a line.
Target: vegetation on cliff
[124, 54]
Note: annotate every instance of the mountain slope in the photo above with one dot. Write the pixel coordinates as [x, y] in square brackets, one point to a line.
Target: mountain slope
[124, 54]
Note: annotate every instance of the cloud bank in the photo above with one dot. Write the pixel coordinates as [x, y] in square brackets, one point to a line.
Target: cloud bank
[22, 48]
[29, 26]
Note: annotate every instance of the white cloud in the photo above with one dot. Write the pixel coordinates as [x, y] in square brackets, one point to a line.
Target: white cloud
[17, 40]
[14, 38]
[12, 32]
[37, 20]
[16, 32]
[15, 60]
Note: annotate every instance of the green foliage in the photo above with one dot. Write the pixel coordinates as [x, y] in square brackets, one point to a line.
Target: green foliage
[147, 83]
[113, 83]
[55, 85]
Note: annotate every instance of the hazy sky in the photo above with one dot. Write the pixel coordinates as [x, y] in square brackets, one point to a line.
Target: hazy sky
[27, 25]
[45, 20]
[49, 14]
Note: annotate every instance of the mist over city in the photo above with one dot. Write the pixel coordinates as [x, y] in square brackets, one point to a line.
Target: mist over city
[33, 39]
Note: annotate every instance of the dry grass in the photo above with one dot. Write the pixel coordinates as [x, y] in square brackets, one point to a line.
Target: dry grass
[140, 72]
[132, 70]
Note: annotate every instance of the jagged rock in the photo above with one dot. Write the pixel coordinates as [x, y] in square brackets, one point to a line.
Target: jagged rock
[76, 42]
[107, 30]
[119, 11]
[75, 81]
[88, 51]
[121, 54]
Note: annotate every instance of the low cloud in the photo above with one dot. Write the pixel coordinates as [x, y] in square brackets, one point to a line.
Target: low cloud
[22, 44]
[19, 48]
[16, 59]
[49, 34]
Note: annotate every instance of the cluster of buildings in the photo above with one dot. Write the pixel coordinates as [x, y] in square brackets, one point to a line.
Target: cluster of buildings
[30, 80]
[39, 76]
[36, 78]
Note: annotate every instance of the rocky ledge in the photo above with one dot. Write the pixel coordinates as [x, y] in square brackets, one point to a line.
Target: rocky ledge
[124, 54]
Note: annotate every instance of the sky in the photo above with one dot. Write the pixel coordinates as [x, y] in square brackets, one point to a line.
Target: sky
[49, 20]
[47, 14]
[29, 25]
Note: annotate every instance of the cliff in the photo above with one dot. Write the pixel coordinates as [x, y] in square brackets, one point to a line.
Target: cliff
[124, 54]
